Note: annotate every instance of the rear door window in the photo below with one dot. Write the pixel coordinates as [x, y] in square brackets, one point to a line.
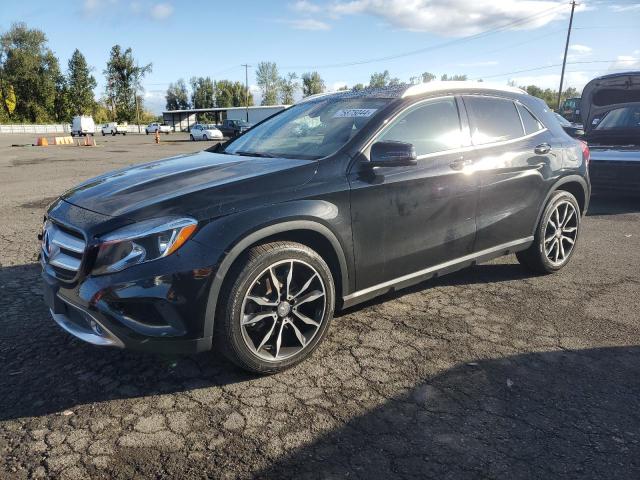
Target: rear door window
[492, 119]
[531, 123]
[430, 127]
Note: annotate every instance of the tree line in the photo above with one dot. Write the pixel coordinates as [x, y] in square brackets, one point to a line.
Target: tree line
[34, 89]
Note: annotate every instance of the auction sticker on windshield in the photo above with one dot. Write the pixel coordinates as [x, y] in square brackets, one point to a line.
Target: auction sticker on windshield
[354, 112]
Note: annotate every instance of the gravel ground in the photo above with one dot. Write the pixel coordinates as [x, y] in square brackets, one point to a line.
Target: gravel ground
[486, 373]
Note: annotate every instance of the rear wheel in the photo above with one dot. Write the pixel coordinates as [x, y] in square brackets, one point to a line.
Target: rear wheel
[280, 303]
[556, 235]
[191, 138]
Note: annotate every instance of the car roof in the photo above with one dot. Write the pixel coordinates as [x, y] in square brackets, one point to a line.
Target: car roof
[406, 90]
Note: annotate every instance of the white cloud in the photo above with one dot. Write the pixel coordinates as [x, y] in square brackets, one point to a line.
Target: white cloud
[626, 62]
[580, 48]
[160, 11]
[304, 6]
[92, 7]
[337, 86]
[308, 24]
[625, 7]
[447, 17]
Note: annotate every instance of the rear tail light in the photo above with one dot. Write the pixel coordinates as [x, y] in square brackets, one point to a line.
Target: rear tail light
[586, 155]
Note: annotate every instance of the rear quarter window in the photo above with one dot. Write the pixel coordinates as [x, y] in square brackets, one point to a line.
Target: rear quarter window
[492, 119]
[531, 123]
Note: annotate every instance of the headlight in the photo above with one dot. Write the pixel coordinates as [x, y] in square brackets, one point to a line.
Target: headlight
[142, 242]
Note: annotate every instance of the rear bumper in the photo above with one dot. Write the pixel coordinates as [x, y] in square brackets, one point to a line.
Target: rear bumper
[613, 176]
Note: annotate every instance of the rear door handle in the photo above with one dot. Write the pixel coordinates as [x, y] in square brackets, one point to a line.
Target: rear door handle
[542, 149]
[460, 163]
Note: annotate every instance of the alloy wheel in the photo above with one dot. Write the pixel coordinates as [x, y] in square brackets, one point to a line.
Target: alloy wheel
[561, 233]
[283, 310]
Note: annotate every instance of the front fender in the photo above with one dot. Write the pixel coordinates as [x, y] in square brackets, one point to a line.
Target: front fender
[230, 236]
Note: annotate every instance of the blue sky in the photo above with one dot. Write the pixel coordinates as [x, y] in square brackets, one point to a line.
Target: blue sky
[345, 40]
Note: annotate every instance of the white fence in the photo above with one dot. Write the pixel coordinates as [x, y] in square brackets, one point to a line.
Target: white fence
[56, 128]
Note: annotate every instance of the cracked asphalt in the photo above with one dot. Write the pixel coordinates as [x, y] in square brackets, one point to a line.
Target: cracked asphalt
[486, 373]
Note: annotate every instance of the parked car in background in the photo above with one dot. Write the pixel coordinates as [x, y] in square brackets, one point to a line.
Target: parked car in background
[155, 126]
[573, 129]
[205, 132]
[113, 128]
[611, 112]
[82, 125]
[570, 109]
[248, 249]
[233, 128]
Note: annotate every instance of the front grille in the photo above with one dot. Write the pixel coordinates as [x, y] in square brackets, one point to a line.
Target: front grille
[62, 249]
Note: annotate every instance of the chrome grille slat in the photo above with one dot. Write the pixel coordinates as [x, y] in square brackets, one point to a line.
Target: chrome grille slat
[67, 242]
[62, 249]
[66, 262]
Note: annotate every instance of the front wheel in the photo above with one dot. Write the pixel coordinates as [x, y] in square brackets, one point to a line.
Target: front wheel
[556, 235]
[280, 301]
[147, 132]
[191, 137]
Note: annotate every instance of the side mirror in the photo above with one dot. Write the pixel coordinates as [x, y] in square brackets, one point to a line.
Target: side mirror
[392, 154]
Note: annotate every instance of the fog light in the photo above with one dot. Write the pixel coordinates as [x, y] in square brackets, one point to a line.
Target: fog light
[97, 329]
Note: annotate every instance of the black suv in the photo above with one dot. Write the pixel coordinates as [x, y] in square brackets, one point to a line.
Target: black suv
[327, 204]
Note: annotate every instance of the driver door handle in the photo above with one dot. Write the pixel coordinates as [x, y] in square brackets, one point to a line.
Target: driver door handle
[542, 149]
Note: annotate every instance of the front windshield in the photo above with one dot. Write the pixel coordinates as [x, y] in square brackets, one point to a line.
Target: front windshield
[309, 130]
[625, 117]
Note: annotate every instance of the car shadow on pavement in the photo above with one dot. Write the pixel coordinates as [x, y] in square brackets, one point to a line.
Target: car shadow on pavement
[43, 370]
[612, 205]
[558, 414]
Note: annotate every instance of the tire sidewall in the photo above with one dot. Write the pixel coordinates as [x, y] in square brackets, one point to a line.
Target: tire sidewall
[556, 198]
[244, 281]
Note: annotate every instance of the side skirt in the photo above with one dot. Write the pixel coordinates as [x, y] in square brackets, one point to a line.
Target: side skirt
[435, 271]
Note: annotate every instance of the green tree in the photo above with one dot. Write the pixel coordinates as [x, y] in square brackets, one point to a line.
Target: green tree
[268, 80]
[29, 67]
[358, 86]
[231, 94]
[124, 84]
[177, 96]
[288, 88]
[203, 94]
[382, 79]
[312, 84]
[80, 84]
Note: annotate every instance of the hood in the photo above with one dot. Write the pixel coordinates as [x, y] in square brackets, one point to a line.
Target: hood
[203, 185]
[605, 93]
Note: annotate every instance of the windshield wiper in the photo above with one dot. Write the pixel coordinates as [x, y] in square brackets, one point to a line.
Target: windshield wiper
[252, 154]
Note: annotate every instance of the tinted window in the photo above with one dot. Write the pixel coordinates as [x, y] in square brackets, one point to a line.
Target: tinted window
[431, 127]
[492, 119]
[626, 117]
[531, 123]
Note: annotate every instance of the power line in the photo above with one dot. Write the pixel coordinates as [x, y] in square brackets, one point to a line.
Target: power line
[546, 67]
[566, 50]
[476, 36]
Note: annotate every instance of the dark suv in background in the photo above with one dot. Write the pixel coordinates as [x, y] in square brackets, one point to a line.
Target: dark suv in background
[327, 204]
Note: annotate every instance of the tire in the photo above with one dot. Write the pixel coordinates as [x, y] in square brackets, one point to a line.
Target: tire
[192, 138]
[113, 134]
[552, 248]
[103, 134]
[124, 134]
[254, 346]
[204, 137]
[146, 131]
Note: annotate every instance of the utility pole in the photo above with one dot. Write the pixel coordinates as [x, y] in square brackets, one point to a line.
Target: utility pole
[566, 49]
[246, 92]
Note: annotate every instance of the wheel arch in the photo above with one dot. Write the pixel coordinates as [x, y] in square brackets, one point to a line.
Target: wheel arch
[307, 232]
[575, 185]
